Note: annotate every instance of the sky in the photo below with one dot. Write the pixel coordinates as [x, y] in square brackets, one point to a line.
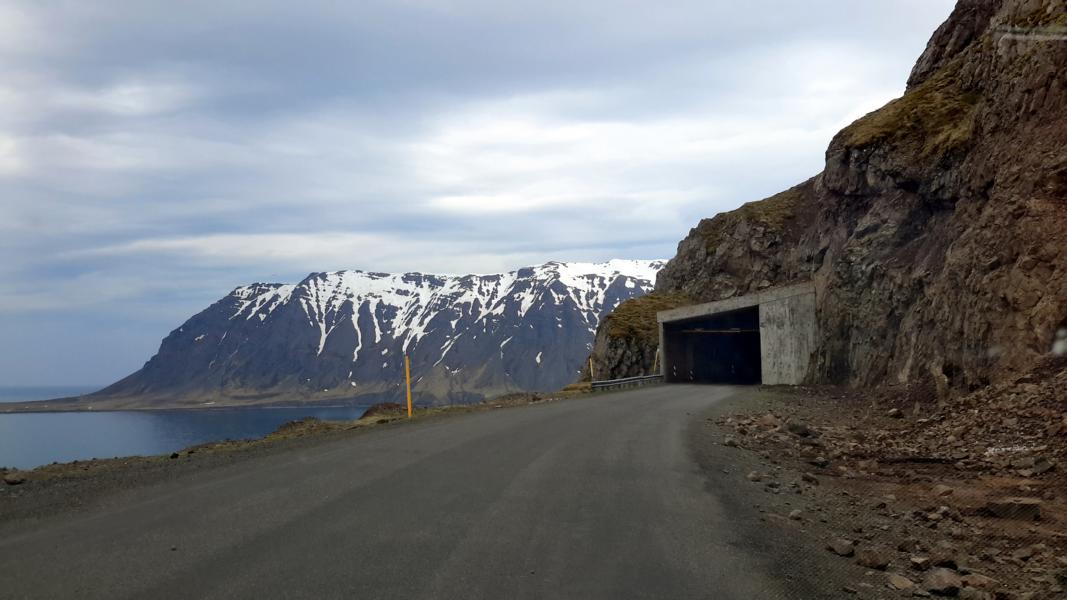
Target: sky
[155, 155]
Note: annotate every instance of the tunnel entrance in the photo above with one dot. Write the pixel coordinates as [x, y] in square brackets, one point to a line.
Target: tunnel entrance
[719, 348]
[766, 337]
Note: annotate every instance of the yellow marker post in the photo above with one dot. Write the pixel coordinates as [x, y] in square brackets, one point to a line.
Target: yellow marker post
[591, 377]
[407, 375]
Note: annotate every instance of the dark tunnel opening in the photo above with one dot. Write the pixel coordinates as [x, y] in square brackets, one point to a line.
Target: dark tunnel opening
[719, 348]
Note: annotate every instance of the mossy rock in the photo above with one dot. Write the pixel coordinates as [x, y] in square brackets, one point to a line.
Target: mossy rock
[772, 213]
[1041, 17]
[636, 318]
[937, 114]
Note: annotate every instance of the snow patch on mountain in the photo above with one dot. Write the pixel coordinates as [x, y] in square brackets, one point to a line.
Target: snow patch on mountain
[413, 299]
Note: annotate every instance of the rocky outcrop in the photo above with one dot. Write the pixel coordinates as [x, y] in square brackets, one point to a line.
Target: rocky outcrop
[627, 338]
[745, 250]
[936, 235]
[968, 22]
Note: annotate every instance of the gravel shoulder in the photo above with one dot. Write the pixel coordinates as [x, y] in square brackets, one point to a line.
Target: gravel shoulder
[957, 497]
[791, 517]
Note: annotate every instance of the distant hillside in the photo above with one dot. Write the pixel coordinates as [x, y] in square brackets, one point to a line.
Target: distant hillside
[344, 334]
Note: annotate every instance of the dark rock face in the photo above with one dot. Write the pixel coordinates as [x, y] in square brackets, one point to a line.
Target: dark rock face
[936, 235]
[627, 339]
[344, 334]
[967, 23]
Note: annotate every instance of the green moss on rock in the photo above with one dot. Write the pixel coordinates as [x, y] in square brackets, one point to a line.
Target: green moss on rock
[938, 114]
[772, 213]
[1041, 17]
[636, 318]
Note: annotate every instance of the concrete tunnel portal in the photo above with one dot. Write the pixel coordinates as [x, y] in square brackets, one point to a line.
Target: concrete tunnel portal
[767, 337]
[719, 348]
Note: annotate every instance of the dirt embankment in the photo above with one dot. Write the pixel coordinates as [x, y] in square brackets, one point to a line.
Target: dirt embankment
[963, 497]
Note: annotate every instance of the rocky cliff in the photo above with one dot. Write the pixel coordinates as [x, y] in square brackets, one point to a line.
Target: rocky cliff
[936, 234]
[627, 338]
[344, 334]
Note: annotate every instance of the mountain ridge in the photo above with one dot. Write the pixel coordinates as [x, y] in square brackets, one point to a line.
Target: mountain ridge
[342, 335]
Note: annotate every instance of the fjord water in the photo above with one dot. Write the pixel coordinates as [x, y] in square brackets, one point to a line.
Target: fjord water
[27, 393]
[30, 440]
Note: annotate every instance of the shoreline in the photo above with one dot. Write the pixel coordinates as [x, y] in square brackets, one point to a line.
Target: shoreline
[308, 426]
[210, 407]
[60, 487]
[79, 404]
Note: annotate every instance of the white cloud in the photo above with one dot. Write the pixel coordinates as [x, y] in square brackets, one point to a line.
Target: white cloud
[129, 98]
[528, 153]
[20, 33]
[94, 291]
[331, 250]
[10, 159]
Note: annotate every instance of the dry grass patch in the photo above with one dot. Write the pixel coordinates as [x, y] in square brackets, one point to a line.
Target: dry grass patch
[773, 213]
[938, 115]
[636, 318]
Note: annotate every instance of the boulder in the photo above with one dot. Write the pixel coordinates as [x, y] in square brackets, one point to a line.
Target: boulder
[819, 461]
[941, 490]
[873, 558]
[799, 429]
[942, 582]
[979, 581]
[841, 547]
[1027, 509]
[899, 582]
[1042, 466]
[944, 557]
[969, 593]
[769, 421]
[1023, 554]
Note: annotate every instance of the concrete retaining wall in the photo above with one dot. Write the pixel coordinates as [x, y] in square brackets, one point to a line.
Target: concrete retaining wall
[787, 338]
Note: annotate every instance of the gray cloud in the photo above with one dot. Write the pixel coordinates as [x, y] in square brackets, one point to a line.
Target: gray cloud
[153, 156]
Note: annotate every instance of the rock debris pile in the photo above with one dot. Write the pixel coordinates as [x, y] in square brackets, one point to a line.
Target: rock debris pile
[960, 497]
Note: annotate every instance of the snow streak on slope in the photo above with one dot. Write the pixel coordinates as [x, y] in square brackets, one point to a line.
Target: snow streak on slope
[402, 305]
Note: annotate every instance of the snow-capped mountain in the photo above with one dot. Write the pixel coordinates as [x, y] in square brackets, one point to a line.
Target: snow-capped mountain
[345, 334]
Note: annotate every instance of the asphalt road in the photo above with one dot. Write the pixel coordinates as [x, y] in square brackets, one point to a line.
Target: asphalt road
[599, 497]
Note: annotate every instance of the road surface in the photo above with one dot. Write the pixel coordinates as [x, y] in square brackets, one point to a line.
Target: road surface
[598, 497]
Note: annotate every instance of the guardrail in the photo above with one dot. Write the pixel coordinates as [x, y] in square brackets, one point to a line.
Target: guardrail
[628, 381]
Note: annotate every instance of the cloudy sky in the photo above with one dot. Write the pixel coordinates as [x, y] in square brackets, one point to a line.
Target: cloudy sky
[154, 155]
